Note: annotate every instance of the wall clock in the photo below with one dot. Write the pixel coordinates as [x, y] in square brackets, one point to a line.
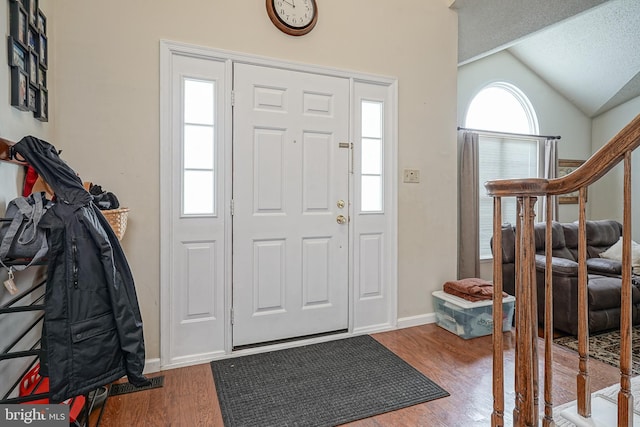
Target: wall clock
[293, 17]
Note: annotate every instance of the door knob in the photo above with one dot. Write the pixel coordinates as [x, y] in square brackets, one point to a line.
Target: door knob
[341, 219]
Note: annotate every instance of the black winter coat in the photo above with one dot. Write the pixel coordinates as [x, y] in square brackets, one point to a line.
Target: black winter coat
[92, 331]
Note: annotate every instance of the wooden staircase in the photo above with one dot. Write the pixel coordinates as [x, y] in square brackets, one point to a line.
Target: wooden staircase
[527, 410]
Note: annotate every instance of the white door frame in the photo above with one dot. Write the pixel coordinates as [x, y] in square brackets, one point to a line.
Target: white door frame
[362, 305]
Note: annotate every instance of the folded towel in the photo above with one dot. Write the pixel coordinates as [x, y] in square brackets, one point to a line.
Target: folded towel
[471, 289]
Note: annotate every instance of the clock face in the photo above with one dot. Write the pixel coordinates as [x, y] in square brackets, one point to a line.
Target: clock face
[294, 13]
[294, 17]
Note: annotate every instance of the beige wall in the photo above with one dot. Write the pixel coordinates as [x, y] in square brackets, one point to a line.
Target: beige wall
[606, 195]
[15, 124]
[107, 109]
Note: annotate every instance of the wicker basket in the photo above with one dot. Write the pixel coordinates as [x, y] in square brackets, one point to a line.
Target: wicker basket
[118, 220]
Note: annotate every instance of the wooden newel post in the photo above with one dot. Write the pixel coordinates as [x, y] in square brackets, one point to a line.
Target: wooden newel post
[526, 380]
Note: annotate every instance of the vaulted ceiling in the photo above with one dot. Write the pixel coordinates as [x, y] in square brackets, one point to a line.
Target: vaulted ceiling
[587, 50]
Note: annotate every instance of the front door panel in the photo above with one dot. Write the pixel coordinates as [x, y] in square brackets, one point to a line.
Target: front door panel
[290, 256]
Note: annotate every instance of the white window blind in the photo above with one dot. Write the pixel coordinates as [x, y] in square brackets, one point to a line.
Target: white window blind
[503, 158]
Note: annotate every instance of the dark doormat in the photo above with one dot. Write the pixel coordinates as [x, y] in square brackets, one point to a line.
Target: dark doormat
[318, 385]
[123, 388]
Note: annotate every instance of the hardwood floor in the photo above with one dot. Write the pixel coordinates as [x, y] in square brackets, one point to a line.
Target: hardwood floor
[462, 367]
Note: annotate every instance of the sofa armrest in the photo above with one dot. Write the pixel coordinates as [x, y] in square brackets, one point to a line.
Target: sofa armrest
[560, 266]
[604, 266]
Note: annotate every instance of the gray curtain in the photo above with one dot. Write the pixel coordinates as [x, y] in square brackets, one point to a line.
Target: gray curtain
[550, 172]
[468, 207]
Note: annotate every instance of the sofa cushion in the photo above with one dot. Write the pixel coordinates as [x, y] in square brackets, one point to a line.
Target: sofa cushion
[559, 266]
[540, 234]
[571, 239]
[558, 245]
[508, 243]
[604, 266]
[605, 292]
[601, 235]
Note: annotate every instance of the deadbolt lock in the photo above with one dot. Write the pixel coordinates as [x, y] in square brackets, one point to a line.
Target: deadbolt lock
[340, 204]
[341, 219]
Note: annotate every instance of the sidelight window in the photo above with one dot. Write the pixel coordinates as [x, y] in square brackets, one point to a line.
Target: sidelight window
[199, 154]
[372, 145]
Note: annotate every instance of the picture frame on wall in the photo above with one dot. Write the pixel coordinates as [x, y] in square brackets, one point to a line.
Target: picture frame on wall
[19, 89]
[32, 7]
[42, 45]
[42, 76]
[17, 55]
[33, 67]
[565, 167]
[28, 57]
[42, 22]
[42, 105]
[18, 23]
[32, 38]
[33, 97]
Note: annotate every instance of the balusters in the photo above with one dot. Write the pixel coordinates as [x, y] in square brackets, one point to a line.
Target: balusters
[547, 421]
[525, 412]
[583, 380]
[497, 417]
[625, 398]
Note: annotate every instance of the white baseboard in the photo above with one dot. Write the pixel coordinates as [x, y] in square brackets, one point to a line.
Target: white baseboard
[374, 329]
[151, 366]
[193, 359]
[422, 319]
[154, 365]
[405, 322]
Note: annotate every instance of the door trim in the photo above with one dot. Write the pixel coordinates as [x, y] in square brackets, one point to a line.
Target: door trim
[390, 277]
[167, 51]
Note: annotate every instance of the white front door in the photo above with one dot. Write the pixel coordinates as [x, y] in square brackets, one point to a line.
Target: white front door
[290, 193]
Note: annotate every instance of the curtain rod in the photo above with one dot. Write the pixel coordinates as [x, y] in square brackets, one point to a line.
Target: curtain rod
[509, 133]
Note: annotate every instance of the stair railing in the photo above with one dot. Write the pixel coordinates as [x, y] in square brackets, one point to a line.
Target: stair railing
[526, 191]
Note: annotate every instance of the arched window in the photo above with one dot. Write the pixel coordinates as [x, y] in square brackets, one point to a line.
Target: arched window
[502, 108]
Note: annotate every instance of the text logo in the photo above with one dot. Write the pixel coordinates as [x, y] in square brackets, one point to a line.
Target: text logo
[34, 415]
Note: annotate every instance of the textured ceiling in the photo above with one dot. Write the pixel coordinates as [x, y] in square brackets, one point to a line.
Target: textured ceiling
[591, 55]
[487, 26]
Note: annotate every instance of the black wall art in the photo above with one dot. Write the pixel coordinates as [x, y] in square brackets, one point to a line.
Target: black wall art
[28, 58]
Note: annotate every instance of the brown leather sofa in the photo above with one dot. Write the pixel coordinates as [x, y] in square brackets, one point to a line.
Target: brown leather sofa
[603, 285]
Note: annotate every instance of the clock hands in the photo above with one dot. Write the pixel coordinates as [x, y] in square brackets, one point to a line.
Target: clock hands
[292, 3]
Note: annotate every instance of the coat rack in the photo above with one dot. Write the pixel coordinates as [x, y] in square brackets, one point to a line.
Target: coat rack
[29, 382]
[6, 152]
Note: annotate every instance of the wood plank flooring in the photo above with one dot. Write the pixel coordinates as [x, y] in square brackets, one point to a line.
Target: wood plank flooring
[462, 367]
